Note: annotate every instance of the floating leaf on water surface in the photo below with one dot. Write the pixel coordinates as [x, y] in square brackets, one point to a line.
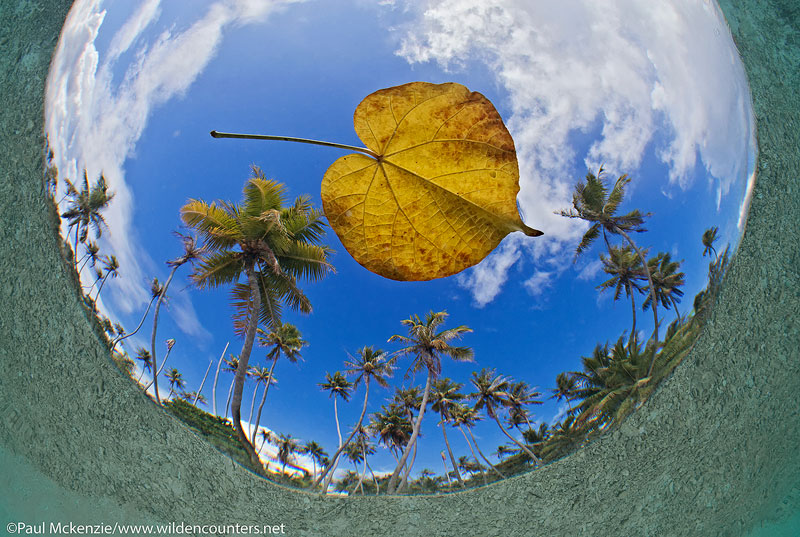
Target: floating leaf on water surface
[440, 193]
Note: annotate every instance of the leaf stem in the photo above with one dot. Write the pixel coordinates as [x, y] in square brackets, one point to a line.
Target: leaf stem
[364, 150]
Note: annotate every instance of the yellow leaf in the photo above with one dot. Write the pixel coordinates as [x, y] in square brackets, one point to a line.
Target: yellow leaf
[441, 192]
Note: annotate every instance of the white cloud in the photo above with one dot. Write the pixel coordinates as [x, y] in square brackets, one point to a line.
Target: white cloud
[486, 279]
[641, 73]
[95, 124]
[588, 272]
[539, 282]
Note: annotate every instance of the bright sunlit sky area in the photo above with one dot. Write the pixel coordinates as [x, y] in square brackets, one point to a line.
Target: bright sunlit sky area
[655, 90]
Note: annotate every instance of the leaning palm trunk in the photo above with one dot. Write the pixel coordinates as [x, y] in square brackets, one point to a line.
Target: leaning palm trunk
[264, 397]
[126, 336]
[652, 296]
[477, 447]
[360, 483]
[155, 329]
[244, 358]
[200, 389]
[633, 311]
[374, 479]
[414, 434]
[443, 423]
[328, 473]
[521, 446]
[483, 474]
[409, 466]
[252, 409]
[230, 394]
[216, 378]
[160, 369]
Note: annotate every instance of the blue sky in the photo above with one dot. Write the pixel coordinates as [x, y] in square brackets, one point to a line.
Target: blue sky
[656, 92]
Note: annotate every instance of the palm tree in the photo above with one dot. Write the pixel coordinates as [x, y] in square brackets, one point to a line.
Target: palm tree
[154, 381]
[266, 436]
[284, 338]
[592, 202]
[92, 255]
[410, 400]
[368, 364]
[202, 383]
[566, 385]
[492, 393]
[518, 397]
[143, 355]
[175, 380]
[191, 252]
[444, 394]
[565, 437]
[287, 446]
[155, 291]
[466, 416]
[316, 452]
[392, 427]
[216, 379]
[667, 281]
[85, 207]
[111, 266]
[427, 346]
[337, 386]
[231, 365]
[193, 398]
[709, 237]
[262, 376]
[625, 269]
[272, 246]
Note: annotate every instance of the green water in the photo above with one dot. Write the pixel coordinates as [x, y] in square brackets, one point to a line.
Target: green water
[714, 452]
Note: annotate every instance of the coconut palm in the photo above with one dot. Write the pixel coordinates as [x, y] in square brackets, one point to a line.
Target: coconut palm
[358, 451]
[492, 393]
[191, 252]
[175, 379]
[231, 365]
[466, 416]
[287, 447]
[518, 397]
[92, 255]
[427, 346]
[667, 281]
[170, 343]
[592, 202]
[202, 383]
[111, 266]
[337, 386]
[709, 238]
[266, 437]
[285, 339]
[155, 291]
[272, 246]
[216, 379]
[143, 355]
[625, 269]
[368, 364]
[410, 400]
[444, 395]
[85, 207]
[566, 384]
[565, 437]
[193, 398]
[266, 377]
[316, 452]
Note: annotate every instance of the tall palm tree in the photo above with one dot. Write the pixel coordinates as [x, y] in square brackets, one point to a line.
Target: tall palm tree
[266, 437]
[592, 202]
[466, 416]
[285, 339]
[85, 207]
[143, 355]
[287, 447]
[337, 386]
[364, 448]
[231, 366]
[92, 255]
[191, 252]
[410, 400]
[175, 379]
[518, 397]
[445, 394]
[170, 344]
[625, 269]
[316, 452]
[155, 291]
[202, 383]
[216, 379]
[392, 427]
[427, 346]
[709, 238]
[368, 364]
[272, 246]
[111, 266]
[266, 377]
[566, 384]
[667, 281]
[492, 393]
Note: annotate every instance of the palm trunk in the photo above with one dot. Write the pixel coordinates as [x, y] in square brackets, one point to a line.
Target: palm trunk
[521, 446]
[478, 448]
[414, 434]
[328, 473]
[252, 409]
[374, 479]
[77, 228]
[446, 473]
[244, 358]
[360, 483]
[443, 423]
[633, 310]
[155, 329]
[216, 378]
[652, 296]
[160, 369]
[200, 389]
[230, 394]
[409, 466]
[126, 336]
[483, 474]
[264, 395]
[101, 286]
